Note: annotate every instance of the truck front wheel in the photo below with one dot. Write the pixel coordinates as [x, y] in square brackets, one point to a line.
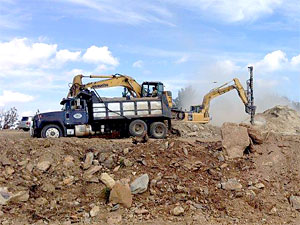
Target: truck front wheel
[51, 131]
[137, 128]
[158, 130]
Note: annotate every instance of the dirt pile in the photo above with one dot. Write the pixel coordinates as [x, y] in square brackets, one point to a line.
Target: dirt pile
[279, 119]
[173, 181]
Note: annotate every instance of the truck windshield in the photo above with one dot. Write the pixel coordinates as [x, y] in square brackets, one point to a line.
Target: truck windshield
[74, 104]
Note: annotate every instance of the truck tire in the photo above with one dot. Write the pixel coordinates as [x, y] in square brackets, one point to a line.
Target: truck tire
[51, 131]
[158, 130]
[138, 128]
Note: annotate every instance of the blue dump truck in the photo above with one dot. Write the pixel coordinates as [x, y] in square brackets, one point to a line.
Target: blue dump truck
[88, 114]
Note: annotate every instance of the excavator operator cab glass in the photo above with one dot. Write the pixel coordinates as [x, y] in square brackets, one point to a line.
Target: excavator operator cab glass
[196, 108]
[152, 89]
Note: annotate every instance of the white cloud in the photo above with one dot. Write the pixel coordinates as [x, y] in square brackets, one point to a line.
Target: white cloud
[66, 55]
[101, 68]
[222, 71]
[231, 10]
[96, 54]
[38, 65]
[74, 72]
[22, 54]
[138, 64]
[19, 53]
[14, 97]
[295, 60]
[272, 61]
[183, 59]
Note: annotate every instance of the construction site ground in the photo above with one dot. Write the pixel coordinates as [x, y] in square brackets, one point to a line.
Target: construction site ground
[185, 170]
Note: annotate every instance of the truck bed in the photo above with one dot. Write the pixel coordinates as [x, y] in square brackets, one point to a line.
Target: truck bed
[117, 108]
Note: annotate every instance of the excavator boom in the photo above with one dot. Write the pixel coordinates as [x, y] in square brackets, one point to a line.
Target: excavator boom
[111, 81]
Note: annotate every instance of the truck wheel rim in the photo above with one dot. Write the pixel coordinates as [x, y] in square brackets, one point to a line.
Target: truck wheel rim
[159, 130]
[52, 133]
[139, 128]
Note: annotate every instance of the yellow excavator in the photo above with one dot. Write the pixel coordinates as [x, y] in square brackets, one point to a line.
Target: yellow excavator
[131, 87]
[200, 113]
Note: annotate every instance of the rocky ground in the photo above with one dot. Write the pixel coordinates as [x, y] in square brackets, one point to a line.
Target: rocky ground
[237, 174]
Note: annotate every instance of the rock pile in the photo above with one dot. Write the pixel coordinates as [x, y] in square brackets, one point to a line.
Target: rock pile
[279, 119]
[176, 181]
[189, 130]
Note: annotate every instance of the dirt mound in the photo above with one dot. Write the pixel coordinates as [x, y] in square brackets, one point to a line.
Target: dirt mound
[279, 119]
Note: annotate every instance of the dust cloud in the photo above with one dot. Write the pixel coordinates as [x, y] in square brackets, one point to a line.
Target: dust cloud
[229, 107]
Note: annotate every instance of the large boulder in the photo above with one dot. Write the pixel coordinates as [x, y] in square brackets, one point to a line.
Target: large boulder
[235, 139]
[140, 184]
[107, 180]
[256, 136]
[121, 194]
[231, 185]
[177, 211]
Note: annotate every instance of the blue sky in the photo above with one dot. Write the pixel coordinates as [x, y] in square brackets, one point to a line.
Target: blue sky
[43, 44]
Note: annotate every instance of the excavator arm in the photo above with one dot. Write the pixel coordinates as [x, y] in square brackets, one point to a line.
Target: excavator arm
[200, 113]
[116, 80]
[222, 90]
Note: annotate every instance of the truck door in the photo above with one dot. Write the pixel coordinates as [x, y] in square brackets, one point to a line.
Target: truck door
[77, 113]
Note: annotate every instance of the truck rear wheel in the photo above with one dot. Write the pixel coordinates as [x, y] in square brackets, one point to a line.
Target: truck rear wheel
[137, 128]
[51, 131]
[158, 130]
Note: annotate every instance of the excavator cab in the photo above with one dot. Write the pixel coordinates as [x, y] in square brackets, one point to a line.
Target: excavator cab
[152, 89]
[196, 108]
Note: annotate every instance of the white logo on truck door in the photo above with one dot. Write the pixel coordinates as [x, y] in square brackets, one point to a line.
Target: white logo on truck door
[77, 116]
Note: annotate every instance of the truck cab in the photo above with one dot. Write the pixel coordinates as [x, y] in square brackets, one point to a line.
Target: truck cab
[61, 123]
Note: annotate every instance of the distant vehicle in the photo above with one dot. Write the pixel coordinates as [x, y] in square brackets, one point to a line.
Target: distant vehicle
[25, 123]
